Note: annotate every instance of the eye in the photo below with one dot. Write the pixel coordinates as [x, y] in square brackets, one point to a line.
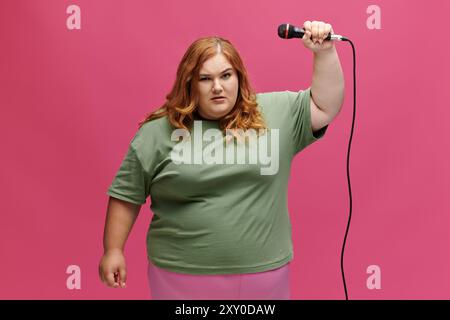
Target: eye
[226, 74]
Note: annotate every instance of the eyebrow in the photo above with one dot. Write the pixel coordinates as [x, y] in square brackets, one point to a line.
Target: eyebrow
[204, 74]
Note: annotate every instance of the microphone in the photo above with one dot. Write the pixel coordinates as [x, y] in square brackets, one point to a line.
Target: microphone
[288, 31]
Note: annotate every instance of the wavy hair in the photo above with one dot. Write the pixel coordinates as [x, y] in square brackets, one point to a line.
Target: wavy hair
[182, 101]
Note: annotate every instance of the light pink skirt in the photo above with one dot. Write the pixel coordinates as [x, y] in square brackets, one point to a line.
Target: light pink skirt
[268, 285]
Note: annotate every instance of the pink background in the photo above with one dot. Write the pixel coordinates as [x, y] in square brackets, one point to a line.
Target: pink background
[71, 100]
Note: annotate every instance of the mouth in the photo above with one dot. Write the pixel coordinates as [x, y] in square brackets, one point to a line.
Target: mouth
[218, 98]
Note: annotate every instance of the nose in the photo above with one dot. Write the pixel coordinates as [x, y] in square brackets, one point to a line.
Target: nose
[217, 88]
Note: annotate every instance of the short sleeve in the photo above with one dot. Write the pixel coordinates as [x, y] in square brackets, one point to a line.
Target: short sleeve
[131, 182]
[299, 104]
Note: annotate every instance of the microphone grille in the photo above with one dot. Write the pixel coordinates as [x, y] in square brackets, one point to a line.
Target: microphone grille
[285, 31]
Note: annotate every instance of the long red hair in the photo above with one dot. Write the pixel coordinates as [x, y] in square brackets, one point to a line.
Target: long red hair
[183, 99]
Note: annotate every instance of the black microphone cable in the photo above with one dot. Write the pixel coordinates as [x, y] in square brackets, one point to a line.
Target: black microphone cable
[348, 163]
[288, 31]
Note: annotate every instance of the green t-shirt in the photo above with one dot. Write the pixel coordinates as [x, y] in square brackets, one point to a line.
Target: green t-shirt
[218, 218]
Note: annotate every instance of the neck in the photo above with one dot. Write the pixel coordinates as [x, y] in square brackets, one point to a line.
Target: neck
[200, 117]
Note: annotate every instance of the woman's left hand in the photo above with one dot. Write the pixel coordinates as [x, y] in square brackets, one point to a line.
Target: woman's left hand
[316, 32]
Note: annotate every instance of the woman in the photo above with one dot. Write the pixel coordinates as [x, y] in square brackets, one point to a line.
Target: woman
[221, 227]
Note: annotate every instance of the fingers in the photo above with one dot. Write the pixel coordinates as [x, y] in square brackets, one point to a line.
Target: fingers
[306, 36]
[327, 30]
[112, 270]
[307, 25]
[123, 277]
[316, 31]
[106, 276]
[113, 279]
[110, 281]
[307, 28]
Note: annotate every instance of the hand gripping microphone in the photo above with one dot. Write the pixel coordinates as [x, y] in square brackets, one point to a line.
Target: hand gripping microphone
[288, 31]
